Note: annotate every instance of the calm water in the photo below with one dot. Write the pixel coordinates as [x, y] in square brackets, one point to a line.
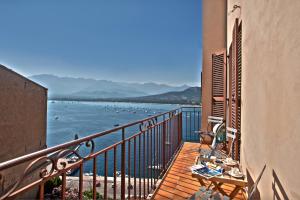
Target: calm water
[66, 118]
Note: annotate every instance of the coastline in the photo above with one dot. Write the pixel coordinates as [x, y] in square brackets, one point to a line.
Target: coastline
[121, 100]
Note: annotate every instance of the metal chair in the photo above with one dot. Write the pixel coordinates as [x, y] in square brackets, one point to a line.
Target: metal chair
[219, 139]
[210, 120]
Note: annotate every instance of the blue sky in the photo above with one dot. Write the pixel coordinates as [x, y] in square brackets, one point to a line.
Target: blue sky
[119, 40]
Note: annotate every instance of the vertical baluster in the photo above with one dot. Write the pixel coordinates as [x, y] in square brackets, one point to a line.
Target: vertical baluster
[94, 177]
[123, 160]
[147, 160]
[63, 186]
[167, 143]
[134, 166]
[169, 139]
[155, 153]
[115, 172]
[194, 124]
[186, 124]
[80, 181]
[151, 161]
[178, 131]
[159, 148]
[198, 125]
[140, 177]
[42, 191]
[190, 125]
[180, 128]
[129, 177]
[164, 146]
[144, 163]
[105, 174]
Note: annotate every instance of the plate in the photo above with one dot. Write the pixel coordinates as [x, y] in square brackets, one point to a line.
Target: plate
[239, 175]
[231, 163]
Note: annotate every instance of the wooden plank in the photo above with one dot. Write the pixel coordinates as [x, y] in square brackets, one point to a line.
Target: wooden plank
[178, 182]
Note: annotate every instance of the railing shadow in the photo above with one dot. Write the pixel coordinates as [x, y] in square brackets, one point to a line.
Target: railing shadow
[278, 190]
[256, 195]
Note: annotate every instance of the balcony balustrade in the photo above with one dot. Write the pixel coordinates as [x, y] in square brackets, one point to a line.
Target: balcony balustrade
[129, 163]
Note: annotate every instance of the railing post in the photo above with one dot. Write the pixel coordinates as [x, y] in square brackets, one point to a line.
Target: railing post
[123, 159]
[164, 145]
[179, 128]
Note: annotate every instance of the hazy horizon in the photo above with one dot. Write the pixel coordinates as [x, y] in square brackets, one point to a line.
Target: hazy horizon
[133, 41]
[134, 82]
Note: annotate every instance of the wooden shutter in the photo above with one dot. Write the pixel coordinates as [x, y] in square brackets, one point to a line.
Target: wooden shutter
[219, 84]
[235, 75]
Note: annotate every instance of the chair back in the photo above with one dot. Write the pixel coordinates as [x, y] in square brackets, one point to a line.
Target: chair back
[231, 134]
[253, 188]
[214, 120]
[219, 137]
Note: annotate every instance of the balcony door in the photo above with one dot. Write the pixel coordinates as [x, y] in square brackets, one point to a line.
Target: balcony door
[235, 75]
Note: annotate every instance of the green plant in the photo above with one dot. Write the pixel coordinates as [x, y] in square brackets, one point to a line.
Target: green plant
[52, 183]
[88, 194]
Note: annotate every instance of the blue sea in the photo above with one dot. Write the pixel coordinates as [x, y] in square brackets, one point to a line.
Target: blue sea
[67, 118]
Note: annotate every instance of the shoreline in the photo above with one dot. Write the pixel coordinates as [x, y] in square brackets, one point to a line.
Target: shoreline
[120, 101]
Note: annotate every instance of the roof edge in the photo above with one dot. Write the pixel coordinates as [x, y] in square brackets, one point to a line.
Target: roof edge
[23, 77]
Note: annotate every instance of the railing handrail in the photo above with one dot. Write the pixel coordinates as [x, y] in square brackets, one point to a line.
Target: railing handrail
[28, 157]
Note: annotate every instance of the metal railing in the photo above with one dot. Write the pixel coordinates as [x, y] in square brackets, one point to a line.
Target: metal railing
[131, 159]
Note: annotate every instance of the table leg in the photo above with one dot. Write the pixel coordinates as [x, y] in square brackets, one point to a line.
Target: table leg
[201, 182]
[234, 192]
[218, 187]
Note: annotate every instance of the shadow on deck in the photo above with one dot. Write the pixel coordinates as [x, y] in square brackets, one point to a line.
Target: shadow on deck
[178, 182]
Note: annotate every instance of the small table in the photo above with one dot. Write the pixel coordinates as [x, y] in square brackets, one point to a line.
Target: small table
[218, 181]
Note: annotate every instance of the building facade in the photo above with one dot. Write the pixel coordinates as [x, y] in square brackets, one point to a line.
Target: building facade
[23, 118]
[263, 89]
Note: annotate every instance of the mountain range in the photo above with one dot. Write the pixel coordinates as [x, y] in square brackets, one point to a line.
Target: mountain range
[191, 95]
[84, 88]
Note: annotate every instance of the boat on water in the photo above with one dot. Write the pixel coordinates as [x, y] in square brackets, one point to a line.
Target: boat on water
[88, 174]
[119, 174]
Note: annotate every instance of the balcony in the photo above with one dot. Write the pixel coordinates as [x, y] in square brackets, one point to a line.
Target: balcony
[132, 167]
[178, 182]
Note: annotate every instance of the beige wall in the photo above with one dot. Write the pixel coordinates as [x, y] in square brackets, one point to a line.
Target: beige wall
[232, 14]
[271, 94]
[214, 39]
[23, 110]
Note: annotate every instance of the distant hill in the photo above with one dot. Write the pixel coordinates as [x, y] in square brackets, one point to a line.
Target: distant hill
[82, 88]
[191, 95]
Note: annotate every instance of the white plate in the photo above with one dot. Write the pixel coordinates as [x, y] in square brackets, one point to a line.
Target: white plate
[232, 163]
[239, 175]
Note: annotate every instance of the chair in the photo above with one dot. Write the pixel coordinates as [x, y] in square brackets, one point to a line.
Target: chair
[210, 120]
[209, 194]
[219, 138]
[231, 134]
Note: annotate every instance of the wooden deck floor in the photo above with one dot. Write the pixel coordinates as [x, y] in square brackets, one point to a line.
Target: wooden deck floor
[178, 182]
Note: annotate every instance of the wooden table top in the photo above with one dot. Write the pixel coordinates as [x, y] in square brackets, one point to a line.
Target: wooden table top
[224, 178]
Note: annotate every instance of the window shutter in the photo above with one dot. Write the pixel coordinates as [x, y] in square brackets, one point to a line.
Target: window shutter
[235, 72]
[219, 84]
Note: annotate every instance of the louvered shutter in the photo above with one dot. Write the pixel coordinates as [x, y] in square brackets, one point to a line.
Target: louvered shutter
[219, 84]
[235, 72]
